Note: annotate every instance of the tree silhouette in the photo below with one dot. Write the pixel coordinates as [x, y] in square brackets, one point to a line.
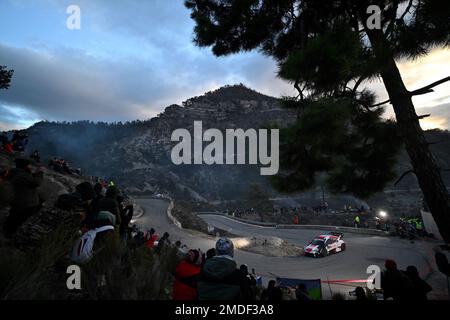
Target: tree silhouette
[327, 49]
[5, 77]
[259, 200]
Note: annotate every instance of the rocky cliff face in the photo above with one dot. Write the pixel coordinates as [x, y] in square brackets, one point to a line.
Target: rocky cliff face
[143, 163]
[138, 156]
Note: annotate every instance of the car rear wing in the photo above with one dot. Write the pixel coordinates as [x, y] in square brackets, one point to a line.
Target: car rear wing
[340, 235]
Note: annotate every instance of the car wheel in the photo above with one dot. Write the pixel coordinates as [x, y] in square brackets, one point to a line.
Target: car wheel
[343, 247]
[323, 252]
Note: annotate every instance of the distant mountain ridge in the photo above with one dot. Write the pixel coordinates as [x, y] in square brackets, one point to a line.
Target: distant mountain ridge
[137, 154]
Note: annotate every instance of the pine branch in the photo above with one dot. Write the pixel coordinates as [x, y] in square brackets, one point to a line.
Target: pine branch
[402, 176]
[420, 91]
[428, 88]
[380, 103]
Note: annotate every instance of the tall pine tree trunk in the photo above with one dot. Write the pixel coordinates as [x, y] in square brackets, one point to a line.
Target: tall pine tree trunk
[425, 168]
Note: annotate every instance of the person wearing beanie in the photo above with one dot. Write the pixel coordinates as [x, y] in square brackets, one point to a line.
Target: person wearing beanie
[225, 247]
[26, 201]
[220, 279]
[186, 276]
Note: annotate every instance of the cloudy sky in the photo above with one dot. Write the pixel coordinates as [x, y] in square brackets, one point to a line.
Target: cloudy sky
[131, 59]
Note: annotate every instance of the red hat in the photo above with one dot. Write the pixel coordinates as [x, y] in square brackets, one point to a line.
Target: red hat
[390, 265]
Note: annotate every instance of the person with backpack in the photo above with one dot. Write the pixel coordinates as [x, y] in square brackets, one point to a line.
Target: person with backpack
[187, 274]
[26, 201]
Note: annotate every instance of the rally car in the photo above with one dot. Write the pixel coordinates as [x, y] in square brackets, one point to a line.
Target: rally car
[325, 244]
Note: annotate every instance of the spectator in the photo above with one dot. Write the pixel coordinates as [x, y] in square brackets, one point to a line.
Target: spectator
[420, 287]
[357, 221]
[126, 214]
[301, 293]
[220, 280]
[395, 284]
[272, 293]
[250, 286]
[360, 294]
[35, 156]
[186, 277]
[109, 203]
[81, 199]
[26, 201]
[162, 242]
[150, 238]
[442, 263]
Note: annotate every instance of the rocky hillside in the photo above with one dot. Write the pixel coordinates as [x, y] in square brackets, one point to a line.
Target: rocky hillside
[137, 154]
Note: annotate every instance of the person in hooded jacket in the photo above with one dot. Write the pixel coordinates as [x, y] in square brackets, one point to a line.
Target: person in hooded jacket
[26, 201]
[220, 279]
[187, 274]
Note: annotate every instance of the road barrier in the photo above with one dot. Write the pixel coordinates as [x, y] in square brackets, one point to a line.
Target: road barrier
[296, 226]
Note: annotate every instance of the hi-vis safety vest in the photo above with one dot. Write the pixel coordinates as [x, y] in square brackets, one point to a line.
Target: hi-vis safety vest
[357, 219]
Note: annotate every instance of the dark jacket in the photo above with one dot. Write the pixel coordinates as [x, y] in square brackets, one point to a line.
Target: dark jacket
[420, 289]
[220, 280]
[25, 185]
[396, 285]
[272, 294]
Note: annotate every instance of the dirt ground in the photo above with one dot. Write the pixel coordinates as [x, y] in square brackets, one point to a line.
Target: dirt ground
[272, 246]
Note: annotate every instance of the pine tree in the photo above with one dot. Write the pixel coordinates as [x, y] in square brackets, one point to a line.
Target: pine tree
[259, 200]
[327, 49]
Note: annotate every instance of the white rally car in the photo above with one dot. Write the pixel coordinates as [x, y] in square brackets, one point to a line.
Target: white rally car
[325, 244]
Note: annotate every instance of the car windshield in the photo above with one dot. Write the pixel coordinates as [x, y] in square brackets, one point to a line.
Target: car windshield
[317, 242]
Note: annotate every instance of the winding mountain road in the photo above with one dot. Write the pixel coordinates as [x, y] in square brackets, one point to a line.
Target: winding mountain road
[362, 251]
